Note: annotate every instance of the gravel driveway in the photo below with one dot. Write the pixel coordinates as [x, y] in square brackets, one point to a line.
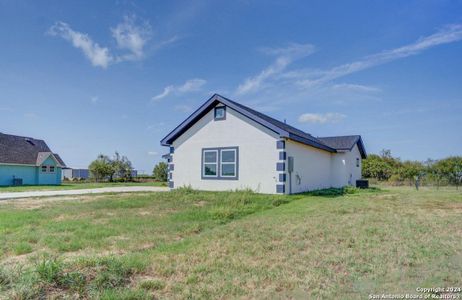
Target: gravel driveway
[119, 189]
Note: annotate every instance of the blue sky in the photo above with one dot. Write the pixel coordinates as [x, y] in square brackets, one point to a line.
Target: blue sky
[93, 77]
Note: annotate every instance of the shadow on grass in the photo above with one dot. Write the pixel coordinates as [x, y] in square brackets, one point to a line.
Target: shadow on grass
[338, 192]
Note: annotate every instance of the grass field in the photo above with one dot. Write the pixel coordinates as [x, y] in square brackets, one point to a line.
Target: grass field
[189, 244]
[75, 186]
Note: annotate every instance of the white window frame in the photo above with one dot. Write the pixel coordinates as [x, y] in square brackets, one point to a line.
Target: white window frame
[216, 163]
[215, 113]
[228, 163]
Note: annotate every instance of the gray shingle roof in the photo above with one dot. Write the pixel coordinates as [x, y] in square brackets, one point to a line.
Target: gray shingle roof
[22, 150]
[293, 132]
[283, 129]
[344, 143]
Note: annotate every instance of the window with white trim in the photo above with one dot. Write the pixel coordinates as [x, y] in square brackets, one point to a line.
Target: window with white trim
[44, 169]
[51, 169]
[357, 162]
[220, 163]
[220, 113]
[210, 163]
[228, 162]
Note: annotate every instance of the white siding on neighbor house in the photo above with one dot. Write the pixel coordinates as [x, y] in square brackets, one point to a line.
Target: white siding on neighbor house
[258, 154]
[312, 168]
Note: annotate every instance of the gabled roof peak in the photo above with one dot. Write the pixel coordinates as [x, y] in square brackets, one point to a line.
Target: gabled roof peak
[283, 129]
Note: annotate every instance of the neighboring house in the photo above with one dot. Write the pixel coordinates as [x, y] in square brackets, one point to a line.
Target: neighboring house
[25, 160]
[225, 145]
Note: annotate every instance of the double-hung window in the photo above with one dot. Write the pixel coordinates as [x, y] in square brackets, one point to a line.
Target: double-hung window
[220, 163]
[228, 162]
[210, 163]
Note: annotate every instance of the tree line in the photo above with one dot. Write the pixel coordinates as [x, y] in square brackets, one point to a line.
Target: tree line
[385, 167]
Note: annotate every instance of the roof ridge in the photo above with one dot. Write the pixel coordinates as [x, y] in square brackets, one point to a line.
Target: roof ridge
[21, 136]
[257, 112]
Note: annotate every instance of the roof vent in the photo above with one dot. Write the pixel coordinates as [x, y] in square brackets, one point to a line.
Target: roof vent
[30, 141]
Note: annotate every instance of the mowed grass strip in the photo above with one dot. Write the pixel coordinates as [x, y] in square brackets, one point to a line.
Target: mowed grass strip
[189, 244]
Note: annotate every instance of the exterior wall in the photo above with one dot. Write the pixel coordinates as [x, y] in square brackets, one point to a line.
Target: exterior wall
[317, 169]
[256, 144]
[49, 177]
[344, 169]
[27, 173]
[312, 168]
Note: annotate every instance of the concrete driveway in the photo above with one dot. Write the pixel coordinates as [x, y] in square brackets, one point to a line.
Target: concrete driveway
[118, 189]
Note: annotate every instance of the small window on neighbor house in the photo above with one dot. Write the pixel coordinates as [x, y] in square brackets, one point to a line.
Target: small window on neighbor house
[357, 162]
[220, 113]
[44, 169]
[52, 169]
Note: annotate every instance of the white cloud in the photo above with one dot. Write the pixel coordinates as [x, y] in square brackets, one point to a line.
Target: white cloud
[348, 87]
[167, 91]
[284, 57]
[321, 118]
[448, 34]
[132, 37]
[152, 153]
[191, 85]
[98, 56]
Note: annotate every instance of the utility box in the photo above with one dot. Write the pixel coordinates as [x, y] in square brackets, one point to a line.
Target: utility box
[290, 164]
[362, 184]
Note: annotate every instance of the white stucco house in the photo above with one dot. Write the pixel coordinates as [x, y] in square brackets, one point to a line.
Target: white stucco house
[225, 145]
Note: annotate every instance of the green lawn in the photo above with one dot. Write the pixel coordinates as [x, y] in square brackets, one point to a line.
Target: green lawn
[75, 186]
[188, 244]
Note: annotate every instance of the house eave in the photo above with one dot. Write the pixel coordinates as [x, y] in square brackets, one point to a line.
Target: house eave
[205, 108]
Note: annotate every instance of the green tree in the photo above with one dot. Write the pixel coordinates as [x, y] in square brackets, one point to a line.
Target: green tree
[101, 168]
[377, 167]
[160, 171]
[122, 167]
[409, 170]
[451, 169]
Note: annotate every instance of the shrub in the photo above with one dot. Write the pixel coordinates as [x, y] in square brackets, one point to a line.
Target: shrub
[160, 171]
